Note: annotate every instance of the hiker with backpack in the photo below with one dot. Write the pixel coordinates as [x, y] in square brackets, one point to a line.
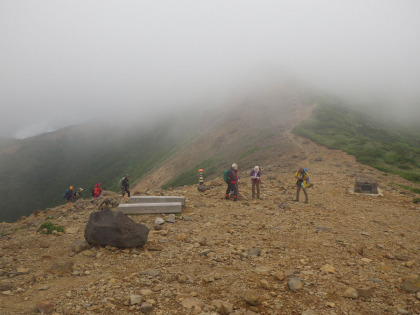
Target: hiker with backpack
[231, 178]
[302, 177]
[255, 180]
[79, 193]
[69, 194]
[125, 185]
[97, 191]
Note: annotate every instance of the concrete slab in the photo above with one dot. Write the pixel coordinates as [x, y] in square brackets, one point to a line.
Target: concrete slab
[147, 208]
[157, 199]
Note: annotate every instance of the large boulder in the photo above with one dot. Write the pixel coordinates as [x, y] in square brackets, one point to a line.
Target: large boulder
[112, 228]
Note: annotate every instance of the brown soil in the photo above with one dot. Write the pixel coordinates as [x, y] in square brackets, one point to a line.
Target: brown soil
[242, 253]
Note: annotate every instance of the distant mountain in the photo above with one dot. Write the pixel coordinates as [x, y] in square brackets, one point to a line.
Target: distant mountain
[251, 128]
[35, 172]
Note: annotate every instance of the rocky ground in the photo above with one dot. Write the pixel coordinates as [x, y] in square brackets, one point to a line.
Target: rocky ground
[342, 253]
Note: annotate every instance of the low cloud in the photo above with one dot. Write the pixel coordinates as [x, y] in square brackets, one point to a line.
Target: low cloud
[67, 62]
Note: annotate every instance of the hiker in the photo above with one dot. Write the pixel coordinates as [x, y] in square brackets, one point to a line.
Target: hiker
[97, 191]
[69, 194]
[232, 181]
[255, 180]
[125, 185]
[301, 183]
[79, 193]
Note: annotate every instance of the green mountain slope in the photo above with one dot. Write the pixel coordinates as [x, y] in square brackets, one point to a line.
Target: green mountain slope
[35, 172]
[376, 142]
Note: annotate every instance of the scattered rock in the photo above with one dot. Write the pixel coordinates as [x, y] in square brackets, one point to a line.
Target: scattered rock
[328, 269]
[44, 287]
[223, 307]
[151, 272]
[45, 307]
[181, 237]
[411, 285]
[146, 308]
[159, 221]
[79, 246]
[252, 298]
[146, 292]
[62, 267]
[255, 252]
[182, 278]
[192, 302]
[402, 257]
[264, 284]
[364, 292]
[205, 252]
[171, 218]
[22, 271]
[155, 247]
[351, 293]
[279, 275]
[107, 227]
[5, 285]
[186, 218]
[295, 284]
[203, 188]
[135, 299]
[285, 206]
[202, 241]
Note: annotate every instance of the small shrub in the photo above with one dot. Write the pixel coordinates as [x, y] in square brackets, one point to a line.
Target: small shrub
[416, 200]
[49, 227]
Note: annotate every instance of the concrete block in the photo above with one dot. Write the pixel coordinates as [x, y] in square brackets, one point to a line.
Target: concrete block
[157, 199]
[147, 208]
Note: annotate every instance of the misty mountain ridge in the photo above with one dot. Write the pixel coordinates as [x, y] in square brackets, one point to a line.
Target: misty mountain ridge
[249, 130]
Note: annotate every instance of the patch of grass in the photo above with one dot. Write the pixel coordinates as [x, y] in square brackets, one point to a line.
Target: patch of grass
[381, 144]
[416, 200]
[416, 190]
[49, 227]
[249, 152]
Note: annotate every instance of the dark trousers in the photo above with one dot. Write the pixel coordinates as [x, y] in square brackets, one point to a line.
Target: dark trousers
[125, 190]
[233, 187]
[255, 185]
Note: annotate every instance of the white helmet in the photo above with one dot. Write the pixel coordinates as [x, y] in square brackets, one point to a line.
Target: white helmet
[235, 166]
[256, 168]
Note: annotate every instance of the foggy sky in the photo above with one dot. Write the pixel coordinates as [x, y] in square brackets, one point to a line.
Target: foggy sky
[65, 62]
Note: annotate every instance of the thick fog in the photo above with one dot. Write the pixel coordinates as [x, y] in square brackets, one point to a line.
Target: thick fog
[65, 62]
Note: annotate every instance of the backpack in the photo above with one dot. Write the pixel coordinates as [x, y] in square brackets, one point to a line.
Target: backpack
[65, 194]
[306, 170]
[226, 176]
[120, 183]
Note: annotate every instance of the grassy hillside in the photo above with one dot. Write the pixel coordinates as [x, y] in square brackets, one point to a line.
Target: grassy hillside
[35, 172]
[379, 143]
